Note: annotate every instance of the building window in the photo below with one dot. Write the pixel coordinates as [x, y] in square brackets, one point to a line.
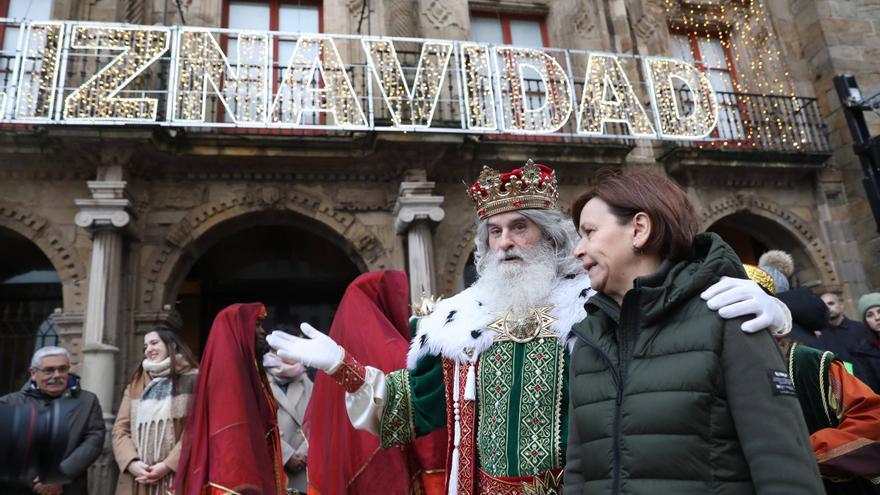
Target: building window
[30, 10]
[509, 29]
[291, 18]
[274, 15]
[711, 54]
[520, 31]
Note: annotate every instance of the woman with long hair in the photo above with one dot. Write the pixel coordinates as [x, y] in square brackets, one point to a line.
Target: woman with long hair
[150, 422]
[665, 395]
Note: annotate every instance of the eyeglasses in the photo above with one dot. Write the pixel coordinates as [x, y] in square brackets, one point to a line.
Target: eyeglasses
[51, 370]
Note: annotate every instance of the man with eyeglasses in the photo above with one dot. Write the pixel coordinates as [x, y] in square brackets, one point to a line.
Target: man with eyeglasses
[52, 380]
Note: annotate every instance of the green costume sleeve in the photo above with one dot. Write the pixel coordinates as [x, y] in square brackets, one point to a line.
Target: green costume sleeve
[415, 402]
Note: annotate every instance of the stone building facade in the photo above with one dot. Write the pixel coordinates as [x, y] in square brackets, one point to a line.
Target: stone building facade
[160, 225]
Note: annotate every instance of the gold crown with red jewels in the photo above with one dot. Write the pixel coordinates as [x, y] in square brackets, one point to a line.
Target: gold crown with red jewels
[532, 186]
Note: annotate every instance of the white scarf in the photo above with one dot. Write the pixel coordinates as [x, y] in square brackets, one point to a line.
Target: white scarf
[153, 415]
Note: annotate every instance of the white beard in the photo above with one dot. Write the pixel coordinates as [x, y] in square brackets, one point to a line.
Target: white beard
[518, 287]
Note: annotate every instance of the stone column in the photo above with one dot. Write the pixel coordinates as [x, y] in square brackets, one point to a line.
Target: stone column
[416, 209]
[104, 215]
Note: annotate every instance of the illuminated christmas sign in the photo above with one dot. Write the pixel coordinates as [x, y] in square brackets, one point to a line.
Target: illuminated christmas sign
[110, 74]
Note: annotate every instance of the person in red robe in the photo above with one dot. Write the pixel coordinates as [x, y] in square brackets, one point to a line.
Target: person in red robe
[372, 321]
[231, 442]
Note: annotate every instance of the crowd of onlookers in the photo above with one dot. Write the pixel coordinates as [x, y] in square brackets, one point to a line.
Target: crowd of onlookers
[820, 322]
[147, 435]
[149, 428]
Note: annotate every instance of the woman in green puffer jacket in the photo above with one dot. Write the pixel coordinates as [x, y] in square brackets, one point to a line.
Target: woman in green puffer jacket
[666, 396]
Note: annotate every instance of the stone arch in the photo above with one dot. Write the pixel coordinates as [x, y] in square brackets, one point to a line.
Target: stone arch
[455, 264]
[61, 253]
[794, 225]
[197, 231]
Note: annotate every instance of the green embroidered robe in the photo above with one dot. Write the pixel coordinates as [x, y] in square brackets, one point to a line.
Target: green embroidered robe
[521, 389]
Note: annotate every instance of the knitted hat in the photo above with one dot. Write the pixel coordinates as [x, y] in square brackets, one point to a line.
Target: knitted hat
[867, 302]
[779, 265]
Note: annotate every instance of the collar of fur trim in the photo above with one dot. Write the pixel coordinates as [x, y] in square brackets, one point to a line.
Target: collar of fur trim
[456, 329]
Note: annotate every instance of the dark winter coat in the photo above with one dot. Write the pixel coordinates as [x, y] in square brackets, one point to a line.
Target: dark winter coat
[86, 432]
[809, 314]
[667, 397]
[842, 339]
[866, 364]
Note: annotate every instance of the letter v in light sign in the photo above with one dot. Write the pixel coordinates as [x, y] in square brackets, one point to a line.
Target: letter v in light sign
[430, 74]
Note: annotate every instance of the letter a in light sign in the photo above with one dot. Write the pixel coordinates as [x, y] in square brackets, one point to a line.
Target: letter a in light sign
[299, 92]
[673, 123]
[608, 97]
[517, 114]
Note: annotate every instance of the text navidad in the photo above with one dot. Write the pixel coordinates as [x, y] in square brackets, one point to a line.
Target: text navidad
[491, 89]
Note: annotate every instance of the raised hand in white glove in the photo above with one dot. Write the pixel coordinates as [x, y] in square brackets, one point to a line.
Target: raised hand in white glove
[317, 351]
[735, 297]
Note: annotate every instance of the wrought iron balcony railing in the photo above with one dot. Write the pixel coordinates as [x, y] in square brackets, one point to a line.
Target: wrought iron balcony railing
[764, 123]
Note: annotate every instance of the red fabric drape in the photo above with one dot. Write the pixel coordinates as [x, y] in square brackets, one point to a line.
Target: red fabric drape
[231, 438]
[372, 324]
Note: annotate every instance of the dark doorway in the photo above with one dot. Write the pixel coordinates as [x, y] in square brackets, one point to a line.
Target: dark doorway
[30, 292]
[298, 275]
[752, 235]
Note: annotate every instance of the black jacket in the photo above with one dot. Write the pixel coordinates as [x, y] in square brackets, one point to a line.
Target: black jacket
[85, 437]
[866, 364]
[808, 313]
[842, 339]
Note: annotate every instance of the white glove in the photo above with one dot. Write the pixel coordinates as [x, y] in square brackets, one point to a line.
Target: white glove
[735, 297]
[317, 351]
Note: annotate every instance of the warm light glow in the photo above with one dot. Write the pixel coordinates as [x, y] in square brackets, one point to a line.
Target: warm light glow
[97, 97]
[609, 97]
[38, 72]
[331, 91]
[672, 121]
[243, 89]
[409, 107]
[479, 98]
[517, 114]
[746, 33]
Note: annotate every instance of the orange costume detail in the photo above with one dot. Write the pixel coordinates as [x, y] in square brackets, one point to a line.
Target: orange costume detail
[839, 450]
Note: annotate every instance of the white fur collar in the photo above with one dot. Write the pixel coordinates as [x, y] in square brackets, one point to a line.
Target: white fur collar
[460, 322]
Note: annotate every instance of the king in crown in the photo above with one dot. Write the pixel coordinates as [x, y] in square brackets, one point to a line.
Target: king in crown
[490, 364]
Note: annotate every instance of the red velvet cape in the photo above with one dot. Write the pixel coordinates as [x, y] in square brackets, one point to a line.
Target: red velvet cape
[231, 439]
[372, 324]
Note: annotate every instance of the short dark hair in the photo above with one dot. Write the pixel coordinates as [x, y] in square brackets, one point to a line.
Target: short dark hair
[674, 222]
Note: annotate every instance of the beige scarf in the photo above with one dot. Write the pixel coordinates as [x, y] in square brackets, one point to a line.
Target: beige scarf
[154, 413]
